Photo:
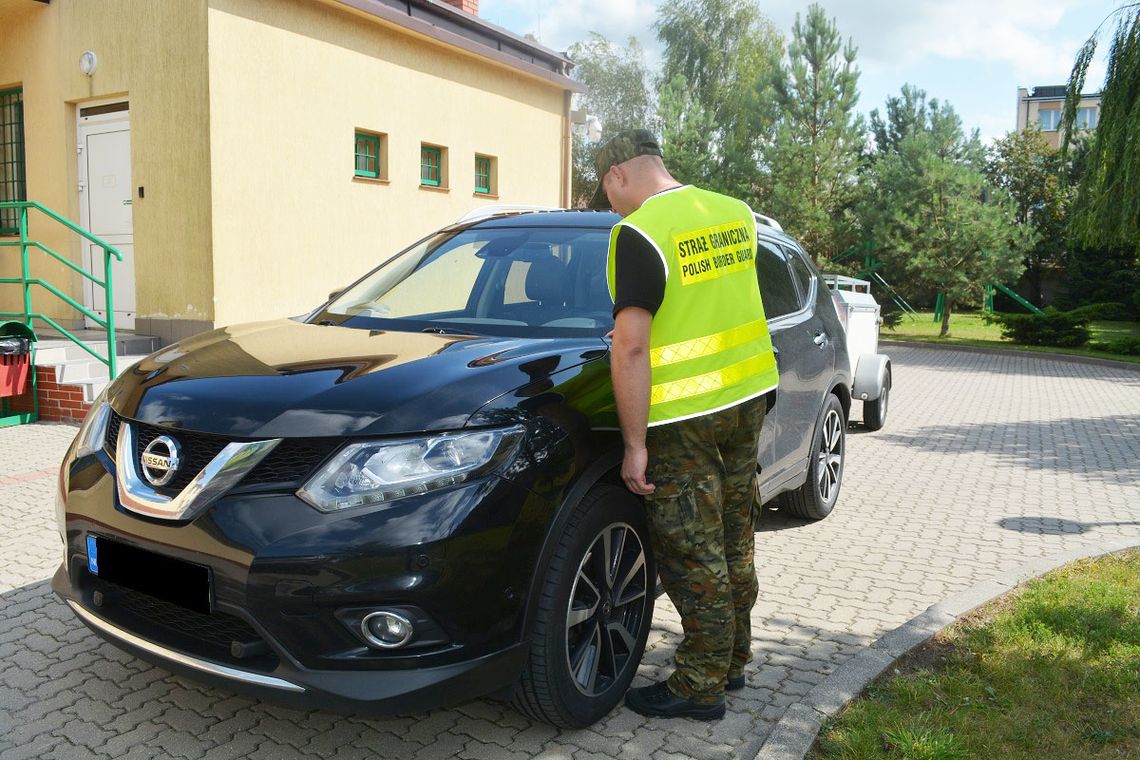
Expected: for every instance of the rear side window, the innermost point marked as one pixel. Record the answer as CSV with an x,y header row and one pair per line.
x,y
803,274
776,287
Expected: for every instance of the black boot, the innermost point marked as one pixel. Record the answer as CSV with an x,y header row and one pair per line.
x,y
658,701
735,683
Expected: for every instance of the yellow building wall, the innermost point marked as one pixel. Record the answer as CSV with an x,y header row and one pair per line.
x,y
154,53
290,81
28,58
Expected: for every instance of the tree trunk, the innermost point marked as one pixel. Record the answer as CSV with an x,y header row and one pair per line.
x,y
946,305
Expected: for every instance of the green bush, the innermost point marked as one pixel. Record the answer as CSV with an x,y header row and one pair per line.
x,y
1064,329
1123,346
1103,311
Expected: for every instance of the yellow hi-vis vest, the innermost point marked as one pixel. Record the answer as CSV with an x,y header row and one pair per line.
x,y
709,347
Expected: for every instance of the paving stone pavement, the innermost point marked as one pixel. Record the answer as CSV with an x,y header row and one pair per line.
x,y
986,463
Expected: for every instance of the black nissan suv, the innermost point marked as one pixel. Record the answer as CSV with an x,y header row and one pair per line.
x,y
410,497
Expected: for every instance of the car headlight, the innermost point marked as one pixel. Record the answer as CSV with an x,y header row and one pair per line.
x,y
362,474
93,431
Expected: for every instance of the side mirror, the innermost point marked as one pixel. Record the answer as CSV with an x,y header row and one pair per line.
x,y
334,293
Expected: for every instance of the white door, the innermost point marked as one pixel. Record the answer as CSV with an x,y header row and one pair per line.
x,y
105,198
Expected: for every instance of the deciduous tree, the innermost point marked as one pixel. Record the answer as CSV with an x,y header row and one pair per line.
x,y
720,62
618,95
1030,170
1106,211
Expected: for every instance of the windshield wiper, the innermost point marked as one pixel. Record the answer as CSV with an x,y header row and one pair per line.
x,y
445,331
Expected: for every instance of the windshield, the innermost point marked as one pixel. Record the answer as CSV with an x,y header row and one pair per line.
x,y
529,282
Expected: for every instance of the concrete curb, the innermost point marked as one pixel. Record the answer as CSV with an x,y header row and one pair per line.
x,y
796,731
1073,358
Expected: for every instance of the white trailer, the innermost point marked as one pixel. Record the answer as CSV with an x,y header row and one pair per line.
x,y
859,313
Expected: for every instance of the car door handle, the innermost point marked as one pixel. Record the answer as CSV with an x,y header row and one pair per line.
x,y
820,339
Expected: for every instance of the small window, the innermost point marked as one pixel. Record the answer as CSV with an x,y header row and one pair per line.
x,y
1086,118
371,161
1049,120
433,166
802,271
485,180
12,170
777,290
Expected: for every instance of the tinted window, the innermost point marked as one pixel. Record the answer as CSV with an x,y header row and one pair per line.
x,y
802,272
522,282
776,287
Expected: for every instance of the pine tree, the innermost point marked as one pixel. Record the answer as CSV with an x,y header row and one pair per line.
x,y
933,223
819,137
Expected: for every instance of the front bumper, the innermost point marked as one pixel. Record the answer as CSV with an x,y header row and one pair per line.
x,y
286,580
370,692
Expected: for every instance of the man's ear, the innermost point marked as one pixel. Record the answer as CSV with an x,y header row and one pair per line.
x,y
620,175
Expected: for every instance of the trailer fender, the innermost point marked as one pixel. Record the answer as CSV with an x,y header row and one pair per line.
x,y
870,376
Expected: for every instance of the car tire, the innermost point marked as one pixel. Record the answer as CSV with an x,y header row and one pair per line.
x,y
875,412
815,499
593,614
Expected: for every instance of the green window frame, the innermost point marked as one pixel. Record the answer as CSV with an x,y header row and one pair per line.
x,y
483,175
13,172
367,155
431,166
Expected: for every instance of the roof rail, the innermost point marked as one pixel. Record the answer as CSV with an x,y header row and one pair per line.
x,y
488,211
768,221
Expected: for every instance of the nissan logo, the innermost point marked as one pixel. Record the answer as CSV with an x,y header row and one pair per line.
x,y
160,460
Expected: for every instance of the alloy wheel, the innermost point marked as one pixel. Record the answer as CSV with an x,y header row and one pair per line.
x,y
606,612
830,466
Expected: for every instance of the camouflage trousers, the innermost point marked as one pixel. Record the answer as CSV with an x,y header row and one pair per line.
x,y
700,524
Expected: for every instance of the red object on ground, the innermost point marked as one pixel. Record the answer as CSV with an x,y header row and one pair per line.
x,y
14,371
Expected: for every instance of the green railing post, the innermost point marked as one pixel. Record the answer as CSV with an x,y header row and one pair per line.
x,y
26,281
939,304
25,270
109,297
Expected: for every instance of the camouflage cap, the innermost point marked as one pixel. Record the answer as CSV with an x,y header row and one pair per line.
x,y
623,146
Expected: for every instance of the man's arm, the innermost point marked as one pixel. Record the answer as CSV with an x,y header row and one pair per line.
x,y
630,371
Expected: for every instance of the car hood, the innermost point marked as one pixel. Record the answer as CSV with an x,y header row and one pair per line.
x,y
286,378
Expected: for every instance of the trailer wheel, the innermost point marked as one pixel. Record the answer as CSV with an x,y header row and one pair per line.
x,y
875,412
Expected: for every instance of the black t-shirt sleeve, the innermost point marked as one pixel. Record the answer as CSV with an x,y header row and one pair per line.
x,y
639,272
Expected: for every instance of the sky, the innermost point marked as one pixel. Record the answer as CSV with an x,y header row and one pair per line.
x,y
972,53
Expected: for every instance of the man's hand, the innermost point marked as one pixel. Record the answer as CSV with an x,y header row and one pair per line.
x,y
633,471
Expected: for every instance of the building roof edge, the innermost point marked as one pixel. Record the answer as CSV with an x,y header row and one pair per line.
x,y
468,32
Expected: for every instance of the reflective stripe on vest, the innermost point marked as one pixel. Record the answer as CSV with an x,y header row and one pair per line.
x,y
691,387
709,346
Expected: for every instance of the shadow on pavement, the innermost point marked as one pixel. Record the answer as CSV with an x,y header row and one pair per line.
x,y
1107,448
1056,526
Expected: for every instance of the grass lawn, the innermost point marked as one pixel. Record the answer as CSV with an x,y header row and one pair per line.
x,y
1050,670
969,329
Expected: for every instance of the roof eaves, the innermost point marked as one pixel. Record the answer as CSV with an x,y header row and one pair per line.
x,y
449,25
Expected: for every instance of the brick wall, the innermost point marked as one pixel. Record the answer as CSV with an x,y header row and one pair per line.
x,y
62,403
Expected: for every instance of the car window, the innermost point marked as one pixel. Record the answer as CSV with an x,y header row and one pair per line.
x,y
517,281
777,290
803,274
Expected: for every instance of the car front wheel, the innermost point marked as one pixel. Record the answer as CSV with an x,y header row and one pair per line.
x,y
815,499
594,613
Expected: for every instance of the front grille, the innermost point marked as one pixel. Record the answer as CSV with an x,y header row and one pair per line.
x,y
206,635
292,461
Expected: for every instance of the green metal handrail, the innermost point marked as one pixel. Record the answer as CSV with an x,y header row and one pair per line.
x,y
26,281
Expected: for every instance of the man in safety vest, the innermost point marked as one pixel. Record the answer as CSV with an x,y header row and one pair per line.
x,y
691,363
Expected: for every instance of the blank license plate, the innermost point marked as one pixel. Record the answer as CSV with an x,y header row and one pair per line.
x,y
166,578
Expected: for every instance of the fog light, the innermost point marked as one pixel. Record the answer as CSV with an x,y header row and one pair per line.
x,y
387,630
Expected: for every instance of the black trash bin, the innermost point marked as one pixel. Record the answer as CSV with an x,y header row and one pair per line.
x,y
15,358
